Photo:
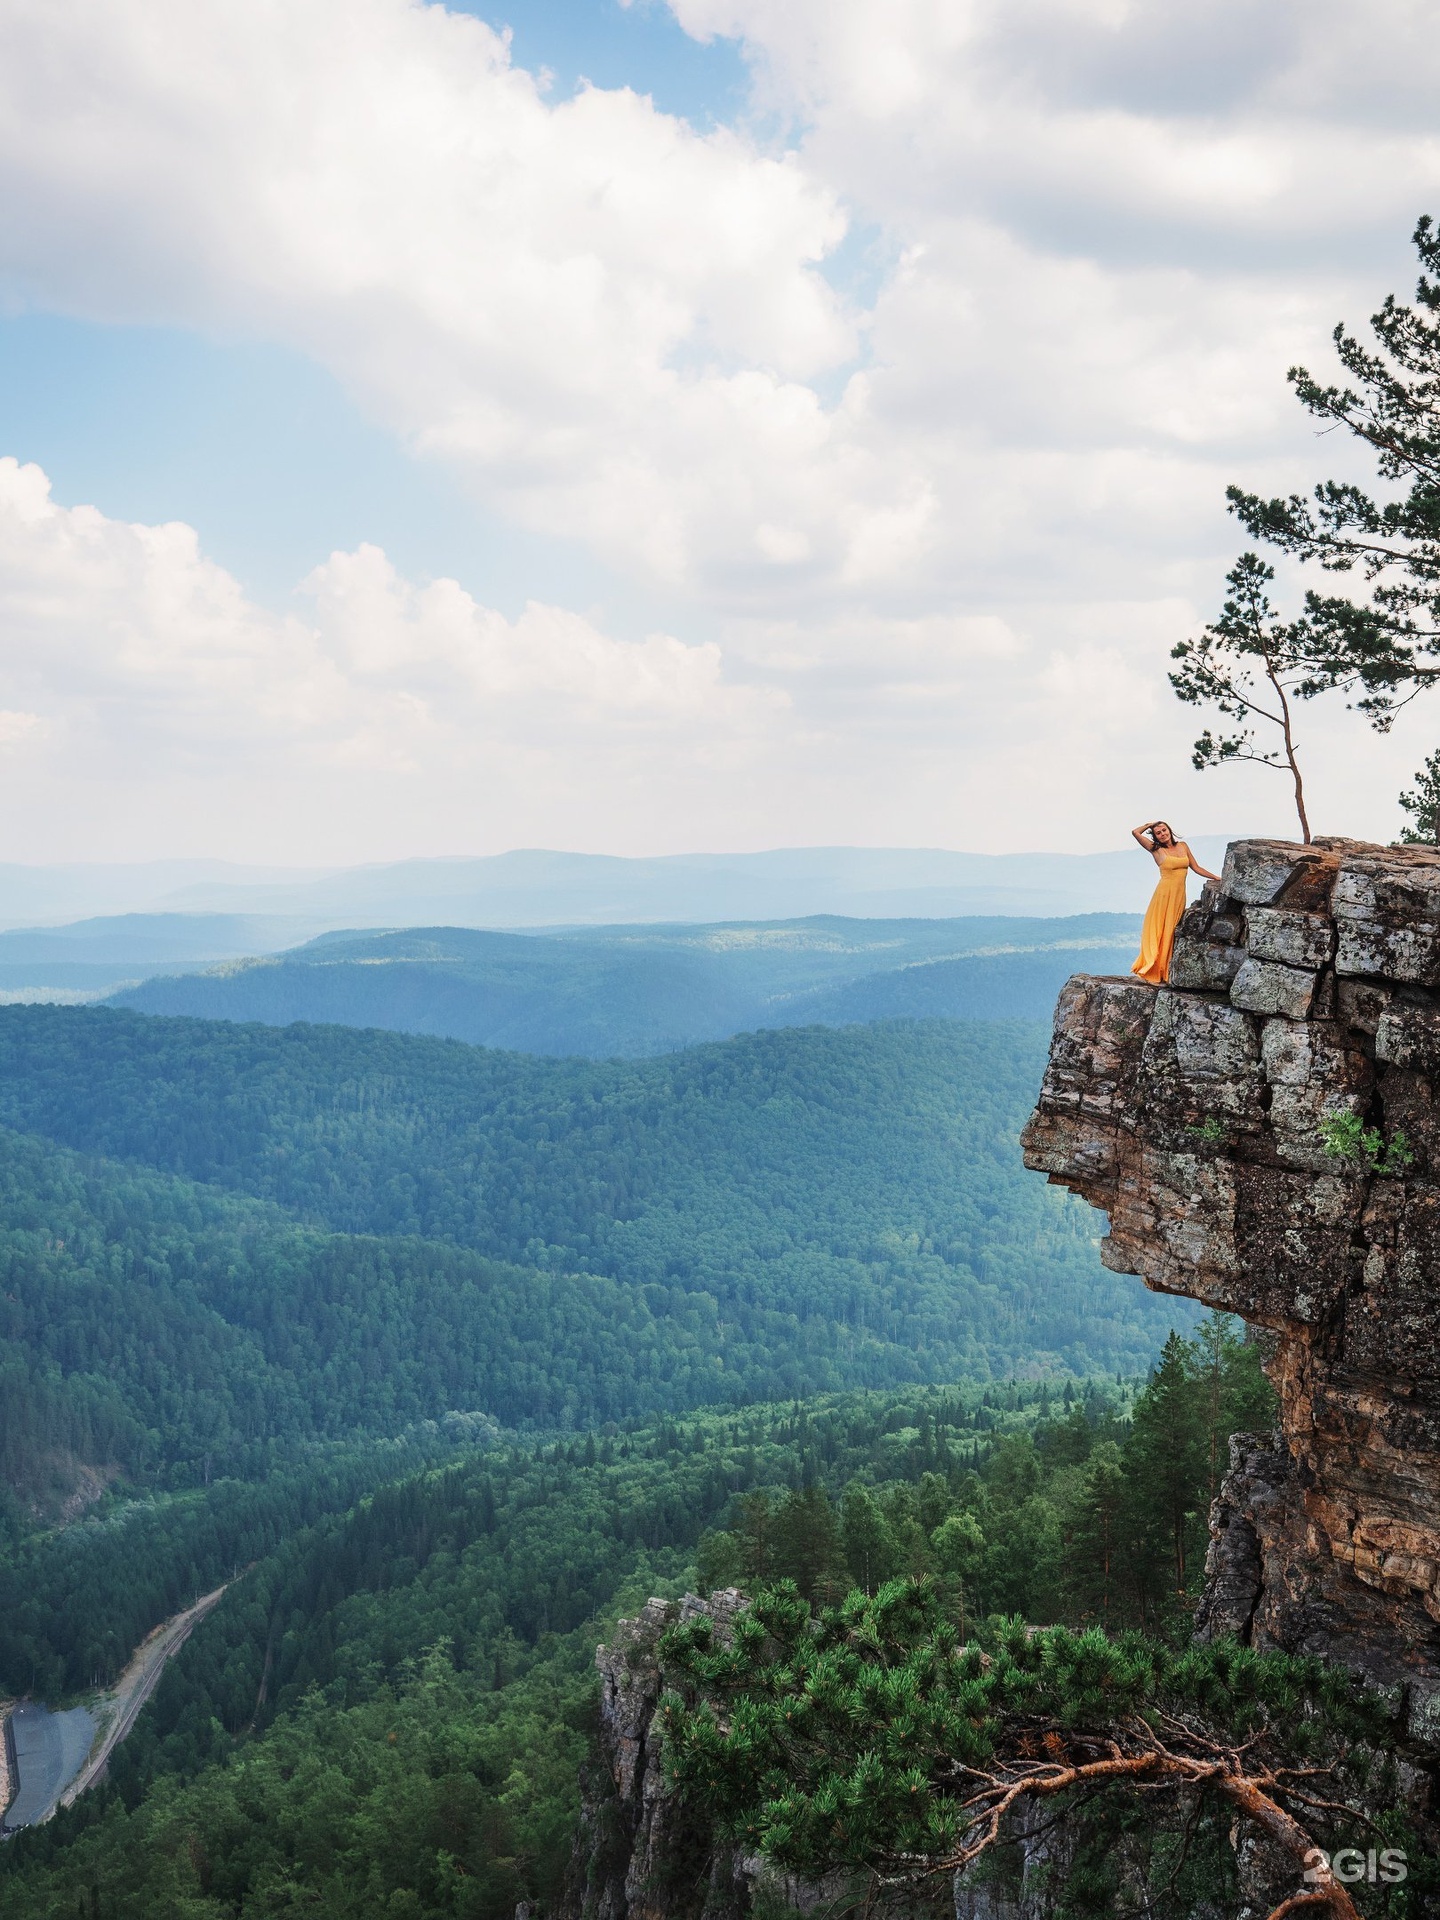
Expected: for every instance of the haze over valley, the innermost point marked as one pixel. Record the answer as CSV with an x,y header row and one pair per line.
x,y
571,984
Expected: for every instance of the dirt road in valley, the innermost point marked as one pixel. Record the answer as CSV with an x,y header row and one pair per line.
x,y
47,1758
7,1783
118,1710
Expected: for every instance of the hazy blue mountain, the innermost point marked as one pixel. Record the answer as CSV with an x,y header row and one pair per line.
x,y
992,986
87,959
494,989
538,888
36,896
646,990
146,938
542,888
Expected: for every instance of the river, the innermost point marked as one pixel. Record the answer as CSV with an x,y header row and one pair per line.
x,y
49,1749
59,1755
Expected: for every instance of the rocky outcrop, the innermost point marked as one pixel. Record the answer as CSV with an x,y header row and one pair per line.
x,y
1024,1880
1201,1117
639,1853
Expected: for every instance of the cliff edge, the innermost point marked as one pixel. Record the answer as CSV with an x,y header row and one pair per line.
x,y
1201,1117
640,1853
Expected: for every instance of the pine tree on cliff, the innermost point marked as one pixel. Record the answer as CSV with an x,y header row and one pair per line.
x,y
1423,805
1381,643
871,1740
1251,666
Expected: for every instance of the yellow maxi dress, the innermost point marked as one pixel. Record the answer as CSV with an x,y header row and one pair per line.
x,y
1162,916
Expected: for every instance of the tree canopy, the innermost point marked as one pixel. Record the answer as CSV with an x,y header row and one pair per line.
x,y
785,1212
1385,640
401,1673
1380,642
872,1739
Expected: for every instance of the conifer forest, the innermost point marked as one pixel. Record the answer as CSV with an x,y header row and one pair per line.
x,y
442,1361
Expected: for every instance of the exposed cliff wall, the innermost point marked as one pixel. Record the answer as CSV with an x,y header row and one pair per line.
x,y
1306,987
640,1854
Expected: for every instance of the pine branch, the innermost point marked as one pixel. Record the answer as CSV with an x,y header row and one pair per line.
x,y
1145,1759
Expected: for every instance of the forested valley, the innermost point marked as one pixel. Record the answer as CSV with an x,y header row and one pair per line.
x,y
217,1240
441,1359
635,990
390,1711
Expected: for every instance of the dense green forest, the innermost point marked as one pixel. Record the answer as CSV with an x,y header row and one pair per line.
x,y
603,991
388,1711
1087,1516
441,1358
178,1332
76,1601
865,1184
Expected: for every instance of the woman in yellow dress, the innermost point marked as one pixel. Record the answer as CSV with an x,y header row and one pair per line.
x,y
1167,903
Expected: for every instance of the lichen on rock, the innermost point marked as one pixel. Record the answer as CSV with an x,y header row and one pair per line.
x,y
1202,1118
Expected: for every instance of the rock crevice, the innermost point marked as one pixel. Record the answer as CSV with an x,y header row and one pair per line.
x,y
1202,1118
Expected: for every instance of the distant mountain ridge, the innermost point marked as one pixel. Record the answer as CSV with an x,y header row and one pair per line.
x,y
146,938
539,887
88,959
641,990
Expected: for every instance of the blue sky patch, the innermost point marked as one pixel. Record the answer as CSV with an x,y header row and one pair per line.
x,y
641,46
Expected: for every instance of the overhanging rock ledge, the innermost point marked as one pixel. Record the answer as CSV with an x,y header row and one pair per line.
x,y
1306,987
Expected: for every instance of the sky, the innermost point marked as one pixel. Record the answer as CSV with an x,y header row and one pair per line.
x,y
712,425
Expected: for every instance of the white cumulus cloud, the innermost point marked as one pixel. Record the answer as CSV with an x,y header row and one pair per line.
x,y
141,691
606,318
926,404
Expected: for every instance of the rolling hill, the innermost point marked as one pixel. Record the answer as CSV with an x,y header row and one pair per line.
x,y
846,1207
646,990
89,959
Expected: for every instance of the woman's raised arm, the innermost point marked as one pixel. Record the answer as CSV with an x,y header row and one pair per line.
x,y
1144,836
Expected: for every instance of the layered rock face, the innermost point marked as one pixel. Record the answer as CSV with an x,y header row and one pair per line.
x,y
640,1853
1201,1118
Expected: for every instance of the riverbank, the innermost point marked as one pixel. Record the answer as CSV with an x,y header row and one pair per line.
x,y
121,1708
7,1760
49,1749
51,1758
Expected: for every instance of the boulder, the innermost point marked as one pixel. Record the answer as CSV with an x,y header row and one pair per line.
x,y
1262,986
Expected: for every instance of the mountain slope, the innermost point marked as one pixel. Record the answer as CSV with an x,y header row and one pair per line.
x,y
639,990
532,995
865,1179
89,959
166,1331
980,986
